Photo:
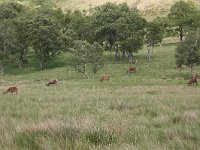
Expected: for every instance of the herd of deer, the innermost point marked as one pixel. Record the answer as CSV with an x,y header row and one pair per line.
x,y
14,89
193,80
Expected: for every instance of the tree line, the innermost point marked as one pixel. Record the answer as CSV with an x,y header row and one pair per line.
x,y
48,31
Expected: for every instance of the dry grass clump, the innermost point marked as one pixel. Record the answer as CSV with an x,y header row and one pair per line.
x,y
190,116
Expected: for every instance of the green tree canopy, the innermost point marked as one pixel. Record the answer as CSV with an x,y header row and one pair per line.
x,y
9,43
46,38
87,56
188,51
117,25
104,18
13,15
181,14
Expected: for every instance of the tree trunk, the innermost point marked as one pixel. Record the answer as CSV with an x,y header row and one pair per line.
x,y
85,71
94,76
87,75
20,65
191,68
41,65
181,34
117,54
2,69
123,54
130,57
148,54
152,46
110,51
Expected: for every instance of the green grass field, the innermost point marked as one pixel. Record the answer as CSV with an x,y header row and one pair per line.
x,y
152,109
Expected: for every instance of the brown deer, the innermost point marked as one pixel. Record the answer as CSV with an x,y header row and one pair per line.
x,y
105,78
11,90
52,82
132,70
180,67
193,80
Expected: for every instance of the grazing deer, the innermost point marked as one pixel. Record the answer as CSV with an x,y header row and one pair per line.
x,y
105,78
132,70
180,67
11,90
193,79
51,82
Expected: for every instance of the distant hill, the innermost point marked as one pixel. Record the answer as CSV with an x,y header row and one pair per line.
x,y
148,8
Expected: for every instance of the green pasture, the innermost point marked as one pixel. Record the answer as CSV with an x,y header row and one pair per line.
x,y
152,109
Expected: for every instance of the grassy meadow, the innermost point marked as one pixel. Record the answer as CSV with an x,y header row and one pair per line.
x,y
152,109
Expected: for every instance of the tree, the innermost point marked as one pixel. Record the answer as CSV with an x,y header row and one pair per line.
x,y
46,38
81,24
154,35
86,56
132,44
10,10
96,57
11,35
181,14
104,19
81,59
23,25
117,24
188,51
130,30
70,37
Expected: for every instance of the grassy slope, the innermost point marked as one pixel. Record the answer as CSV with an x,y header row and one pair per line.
x,y
152,109
148,8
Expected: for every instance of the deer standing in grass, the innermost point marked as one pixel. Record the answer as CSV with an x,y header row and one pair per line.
x,y
193,80
51,82
105,78
11,90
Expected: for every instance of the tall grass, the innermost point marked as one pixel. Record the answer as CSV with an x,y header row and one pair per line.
x,y
151,109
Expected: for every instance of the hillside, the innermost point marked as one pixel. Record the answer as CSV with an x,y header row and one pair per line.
x,y
147,7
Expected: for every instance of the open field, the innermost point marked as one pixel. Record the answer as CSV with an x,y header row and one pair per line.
x,y
152,109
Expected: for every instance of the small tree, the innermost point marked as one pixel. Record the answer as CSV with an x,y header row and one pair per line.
x,y
154,33
87,56
81,58
188,52
96,57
